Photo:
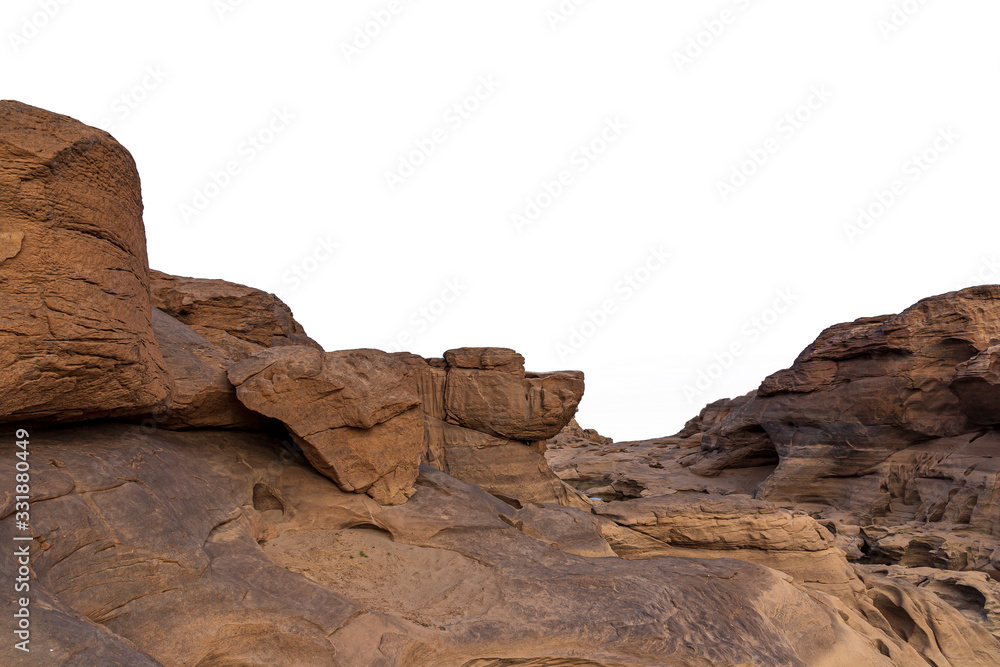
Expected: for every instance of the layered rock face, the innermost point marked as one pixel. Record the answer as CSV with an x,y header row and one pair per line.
x,y
176,523
884,429
353,413
239,320
273,564
485,421
76,336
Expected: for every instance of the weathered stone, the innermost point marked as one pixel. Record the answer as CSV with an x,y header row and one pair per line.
x,y
239,320
201,394
977,385
498,398
255,549
352,412
696,525
76,339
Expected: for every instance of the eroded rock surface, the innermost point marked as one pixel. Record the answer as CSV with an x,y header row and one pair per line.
x,y
237,319
470,396
273,564
201,395
76,338
883,430
353,413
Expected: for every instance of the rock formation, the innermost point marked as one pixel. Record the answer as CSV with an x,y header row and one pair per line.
x,y
353,413
463,438
76,336
883,430
209,487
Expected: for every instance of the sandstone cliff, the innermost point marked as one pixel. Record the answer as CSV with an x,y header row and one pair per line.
x,y
209,487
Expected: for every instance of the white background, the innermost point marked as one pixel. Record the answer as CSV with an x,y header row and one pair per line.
x,y
896,81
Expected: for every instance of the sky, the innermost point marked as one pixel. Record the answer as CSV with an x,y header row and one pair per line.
x,y
675,198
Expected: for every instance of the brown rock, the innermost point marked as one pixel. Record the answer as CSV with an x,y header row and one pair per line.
x,y
352,412
274,565
76,340
861,392
977,385
201,394
703,526
514,470
509,470
239,320
488,391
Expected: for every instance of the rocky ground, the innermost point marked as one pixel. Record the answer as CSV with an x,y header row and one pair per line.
x,y
209,487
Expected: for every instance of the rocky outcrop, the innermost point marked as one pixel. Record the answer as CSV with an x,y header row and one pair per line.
x,y
977,385
883,429
473,394
352,412
489,391
273,564
860,393
215,540
573,435
240,321
201,395
76,338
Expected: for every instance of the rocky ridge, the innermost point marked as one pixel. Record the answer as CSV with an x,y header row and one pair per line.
x,y
193,449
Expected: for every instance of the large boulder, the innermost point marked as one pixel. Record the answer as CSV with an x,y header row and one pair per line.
x,y
353,413
489,391
861,392
76,337
471,396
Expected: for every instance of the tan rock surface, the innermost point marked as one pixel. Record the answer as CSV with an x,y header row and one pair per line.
x,y
487,390
76,339
704,526
237,319
274,565
514,470
201,395
352,412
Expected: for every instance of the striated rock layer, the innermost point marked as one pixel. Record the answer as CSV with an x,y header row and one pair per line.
x,y
206,535
884,430
273,564
76,336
